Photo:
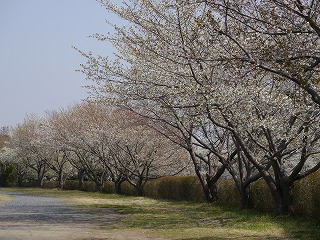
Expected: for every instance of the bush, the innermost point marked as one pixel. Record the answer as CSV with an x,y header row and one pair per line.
x,y
228,194
261,197
30,184
306,197
72,185
108,187
50,184
89,186
128,189
8,176
175,187
151,188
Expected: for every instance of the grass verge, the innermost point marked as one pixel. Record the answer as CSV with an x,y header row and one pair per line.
x,y
189,220
4,198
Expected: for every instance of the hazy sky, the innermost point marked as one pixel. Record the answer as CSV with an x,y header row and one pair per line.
x,y
37,61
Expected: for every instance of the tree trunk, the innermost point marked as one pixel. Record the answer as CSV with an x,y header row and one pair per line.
x,y
81,174
212,189
139,187
281,194
205,187
204,184
286,200
245,198
40,182
212,179
61,179
1,175
117,185
41,173
99,184
20,179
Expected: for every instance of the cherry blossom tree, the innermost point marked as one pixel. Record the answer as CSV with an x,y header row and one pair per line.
x,y
75,133
270,37
27,142
141,152
248,68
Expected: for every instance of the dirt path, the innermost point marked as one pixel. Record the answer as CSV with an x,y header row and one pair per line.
x,y
39,217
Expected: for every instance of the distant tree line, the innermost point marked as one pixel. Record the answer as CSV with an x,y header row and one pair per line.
x,y
94,142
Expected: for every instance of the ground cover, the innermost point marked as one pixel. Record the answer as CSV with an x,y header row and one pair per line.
x,y
160,219
4,198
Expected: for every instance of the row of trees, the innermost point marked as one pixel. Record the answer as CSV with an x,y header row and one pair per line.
x,y
93,141
235,83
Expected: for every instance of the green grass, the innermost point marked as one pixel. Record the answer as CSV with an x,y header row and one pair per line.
x,y
190,220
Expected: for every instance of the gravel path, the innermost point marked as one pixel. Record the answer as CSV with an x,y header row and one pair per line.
x,y
39,217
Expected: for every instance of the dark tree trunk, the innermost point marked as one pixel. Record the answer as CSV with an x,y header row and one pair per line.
x,y
99,185
281,194
245,198
1,174
203,182
213,190
139,190
212,179
205,186
40,182
20,180
81,174
41,173
283,199
117,185
61,179
139,187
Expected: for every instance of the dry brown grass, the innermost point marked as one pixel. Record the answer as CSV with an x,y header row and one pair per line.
x,y
4,198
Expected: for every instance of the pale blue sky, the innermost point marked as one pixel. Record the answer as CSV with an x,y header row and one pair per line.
x,y
37,61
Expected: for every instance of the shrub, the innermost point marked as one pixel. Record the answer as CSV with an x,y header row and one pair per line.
x,y
151,188
175,187
306,197
228,194
50,184
261,197
30,184
8,176
128,189
168,188
191,188
89,186
108,187
72,185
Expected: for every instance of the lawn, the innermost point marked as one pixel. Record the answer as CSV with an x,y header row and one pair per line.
x,y
189,220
